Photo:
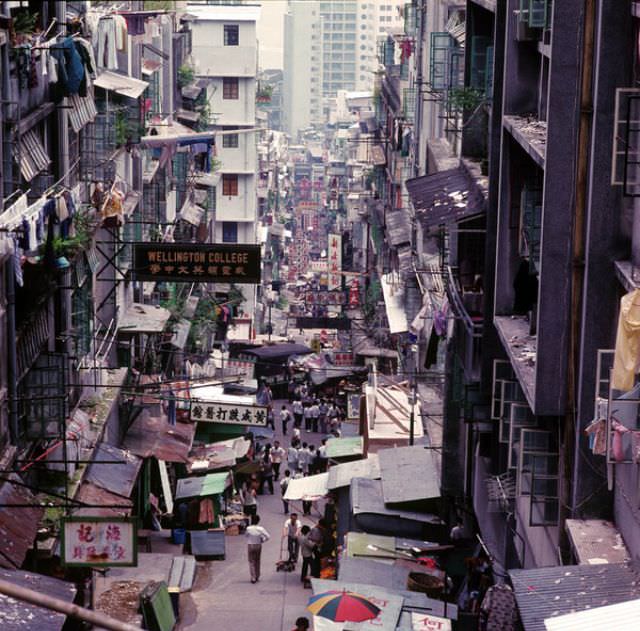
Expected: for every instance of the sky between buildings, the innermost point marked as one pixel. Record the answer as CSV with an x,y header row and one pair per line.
x,y
270,33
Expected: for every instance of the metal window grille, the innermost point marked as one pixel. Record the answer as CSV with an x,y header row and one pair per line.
x,y
535,13
230,88
440,60
625,167
531,225
521,418
480,46
533,442
409,102
231,35
82,311
488,73
410,21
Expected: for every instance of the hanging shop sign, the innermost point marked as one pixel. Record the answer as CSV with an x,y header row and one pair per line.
x,y
99,541
325,298
334,256
228,413
339,324
189,262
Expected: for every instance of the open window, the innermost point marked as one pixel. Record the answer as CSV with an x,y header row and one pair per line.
x,y
511,394
502,371
545,483
534,443
531,225
521,418
481,52
626,142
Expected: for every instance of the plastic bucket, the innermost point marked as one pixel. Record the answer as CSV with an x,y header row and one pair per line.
x,y
179,536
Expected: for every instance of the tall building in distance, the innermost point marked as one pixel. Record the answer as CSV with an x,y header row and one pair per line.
x,y
330,46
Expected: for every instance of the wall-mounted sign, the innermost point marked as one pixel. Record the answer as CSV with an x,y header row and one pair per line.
x,y
228,413
190,262
325,298
334,256
99,541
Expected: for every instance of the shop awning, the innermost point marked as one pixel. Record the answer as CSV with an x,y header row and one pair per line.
x,y
348,447
172,132
33,157
18,526
102,501
277,351
114,470
393,291
309,489
409,474
220,455
82,111
549,592
340,475
621,616
153,436
444,197
17,615
210,484
149,66
121,84
141,318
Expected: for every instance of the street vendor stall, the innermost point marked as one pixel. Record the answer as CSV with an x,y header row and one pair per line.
x,y
200,505
345,449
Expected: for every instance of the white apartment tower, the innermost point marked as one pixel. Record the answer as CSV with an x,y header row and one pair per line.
x,y
225,51
329,46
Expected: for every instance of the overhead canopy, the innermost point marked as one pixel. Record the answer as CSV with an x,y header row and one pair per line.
x,y
222,454
409,474
444,197
102,502
340,475
545,593
121,84
394,301
18,526
17,615
141,318
114,470
348,447
309,489
192,213
210,484
277,351
621,616
153,436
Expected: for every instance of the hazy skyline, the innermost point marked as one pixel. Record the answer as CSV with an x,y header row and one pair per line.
x,y
271,33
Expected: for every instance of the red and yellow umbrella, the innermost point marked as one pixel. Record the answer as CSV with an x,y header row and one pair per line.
x,y
342,606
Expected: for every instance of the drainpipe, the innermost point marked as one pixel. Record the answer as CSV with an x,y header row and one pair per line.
x,y
12,362
578,254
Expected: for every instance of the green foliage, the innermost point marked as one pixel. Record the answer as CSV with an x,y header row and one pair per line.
x,y
461,99
159,5
84,227
186,75
25,22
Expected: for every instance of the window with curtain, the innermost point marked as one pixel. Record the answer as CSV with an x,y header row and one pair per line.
x,y
230,88
229,185
231,35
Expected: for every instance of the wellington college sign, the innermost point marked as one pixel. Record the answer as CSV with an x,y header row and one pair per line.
x,y
190,262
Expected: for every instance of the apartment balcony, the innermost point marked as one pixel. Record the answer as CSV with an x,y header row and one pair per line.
x,y
530,133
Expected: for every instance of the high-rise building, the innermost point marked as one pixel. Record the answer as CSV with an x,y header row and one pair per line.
x,y
330,46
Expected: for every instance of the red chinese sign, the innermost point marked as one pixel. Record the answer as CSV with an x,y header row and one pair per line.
x,y
99,541
334,257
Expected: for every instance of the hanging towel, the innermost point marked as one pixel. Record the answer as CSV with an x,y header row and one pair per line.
x,y
627,351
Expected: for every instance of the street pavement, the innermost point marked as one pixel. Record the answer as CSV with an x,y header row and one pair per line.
x,y
223,596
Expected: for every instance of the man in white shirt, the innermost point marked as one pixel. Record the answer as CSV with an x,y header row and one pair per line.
x,y
303,459
315,415
292,458
256,535
297,412
291,531
285,417
277,456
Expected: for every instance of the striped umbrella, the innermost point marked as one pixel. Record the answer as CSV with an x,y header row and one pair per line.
x,y
342,606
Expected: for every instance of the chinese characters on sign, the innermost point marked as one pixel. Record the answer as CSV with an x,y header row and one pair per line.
x,y
325,298
189,262
334,256
211,412
108,541
429,622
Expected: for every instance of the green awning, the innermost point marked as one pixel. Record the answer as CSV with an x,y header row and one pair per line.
x,y
210,484
345,447
357,545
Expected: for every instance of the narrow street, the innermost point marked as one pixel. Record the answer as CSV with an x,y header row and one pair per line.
x,y
223,597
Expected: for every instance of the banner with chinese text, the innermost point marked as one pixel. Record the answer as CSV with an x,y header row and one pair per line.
x,y
334,256
99,541
212,412
196,262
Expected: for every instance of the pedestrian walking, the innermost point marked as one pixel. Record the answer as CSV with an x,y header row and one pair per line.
x,y
292,457
303,459
291,531
270,418
284,484
322,418
277,456
295,435
315,415
313,460
302,624
306,551
322,456
285,417
291,388
307,417
266,474
298,412
249,500
256,535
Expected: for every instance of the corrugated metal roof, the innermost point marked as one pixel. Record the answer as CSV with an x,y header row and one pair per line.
x,y
310,488
116,477
33,156
340,475
621,616
16,615
153,436
444,197
409,474
83,110
18,526
545,593
94,495
366,497
398,226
